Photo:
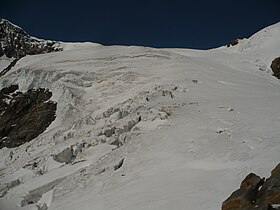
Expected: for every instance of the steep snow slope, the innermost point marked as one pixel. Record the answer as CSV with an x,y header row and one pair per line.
x,y
146,128
259,50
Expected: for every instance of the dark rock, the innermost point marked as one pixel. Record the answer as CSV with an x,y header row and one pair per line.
x,y
239,200
15,42
250,197
263,207
276,171
23,116
270,191
245,197
8,90
250,180
233,42
275,66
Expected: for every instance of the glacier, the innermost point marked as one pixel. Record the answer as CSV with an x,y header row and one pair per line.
x,y
143,128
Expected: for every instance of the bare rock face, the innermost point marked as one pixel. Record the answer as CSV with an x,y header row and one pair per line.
x,y
245,197
16,43
23,116
232,43
276,171
275,66
250,180
270,191
256,193
240,199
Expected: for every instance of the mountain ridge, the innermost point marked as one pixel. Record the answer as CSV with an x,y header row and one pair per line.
x,y
15,42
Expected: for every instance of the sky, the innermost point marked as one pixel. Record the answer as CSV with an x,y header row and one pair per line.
x,y
199,24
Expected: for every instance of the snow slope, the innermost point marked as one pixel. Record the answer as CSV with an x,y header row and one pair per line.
x,y
208,118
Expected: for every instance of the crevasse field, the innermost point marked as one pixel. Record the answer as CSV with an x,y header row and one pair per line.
x,y
156,129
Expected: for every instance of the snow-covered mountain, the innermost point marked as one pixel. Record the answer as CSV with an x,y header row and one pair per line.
x,y
15,42
143,128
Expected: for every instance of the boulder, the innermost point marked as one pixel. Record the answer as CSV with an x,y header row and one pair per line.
x,y
275,67
250,180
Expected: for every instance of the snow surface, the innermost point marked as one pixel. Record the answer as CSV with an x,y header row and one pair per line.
x,y
208,118
4,62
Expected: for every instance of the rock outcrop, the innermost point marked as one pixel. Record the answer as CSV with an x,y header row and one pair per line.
x,y
232,43
16,43
275,67
250,180
256,193
23,116
270,191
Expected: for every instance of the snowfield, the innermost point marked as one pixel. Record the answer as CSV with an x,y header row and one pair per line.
x,y
145,129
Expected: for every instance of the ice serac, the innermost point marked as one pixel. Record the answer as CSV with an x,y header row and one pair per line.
x,y
16,43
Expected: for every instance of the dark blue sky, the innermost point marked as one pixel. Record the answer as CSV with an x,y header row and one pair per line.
x,y
159,23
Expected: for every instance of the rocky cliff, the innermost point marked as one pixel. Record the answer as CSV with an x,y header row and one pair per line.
x,y
23,116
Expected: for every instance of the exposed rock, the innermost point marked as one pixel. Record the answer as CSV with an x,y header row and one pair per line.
x,y
275,66
15,42
233,42
243,198
276,171
250,197
23,116
250,180
240,199
9,90
270,191
263,207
